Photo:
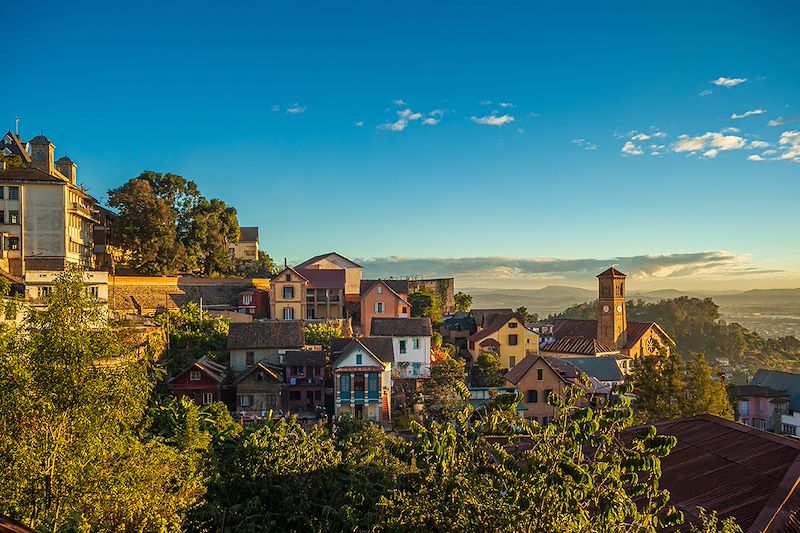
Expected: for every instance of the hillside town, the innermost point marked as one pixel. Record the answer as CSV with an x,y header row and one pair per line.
x,y
386,342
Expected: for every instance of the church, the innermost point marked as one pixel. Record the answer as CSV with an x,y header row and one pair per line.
x,y
612,333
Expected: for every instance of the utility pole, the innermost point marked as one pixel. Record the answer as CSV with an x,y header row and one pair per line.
x,y
17,119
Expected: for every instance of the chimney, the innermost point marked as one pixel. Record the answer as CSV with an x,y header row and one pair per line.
x,y
42,151
68,169
285,263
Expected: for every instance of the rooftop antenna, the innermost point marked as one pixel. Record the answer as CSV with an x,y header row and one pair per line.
x,y
17,119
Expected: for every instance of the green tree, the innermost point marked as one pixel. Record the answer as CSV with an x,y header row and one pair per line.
x,y
12,161
704,394
439,392
426,303
322,333
212,229
528,317
74,448
463,302
486,371
264,266
192,334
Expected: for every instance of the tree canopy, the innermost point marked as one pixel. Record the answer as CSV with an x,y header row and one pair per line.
x,y
426,303
463,302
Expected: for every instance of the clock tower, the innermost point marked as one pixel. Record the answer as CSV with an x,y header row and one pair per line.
x,y
612,322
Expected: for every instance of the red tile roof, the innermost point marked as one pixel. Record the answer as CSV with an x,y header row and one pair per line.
x,y
572,327
323,278
611,273
733,469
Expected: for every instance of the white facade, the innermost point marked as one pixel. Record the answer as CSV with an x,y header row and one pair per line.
x,y
39,283
239,358
412,357
355,392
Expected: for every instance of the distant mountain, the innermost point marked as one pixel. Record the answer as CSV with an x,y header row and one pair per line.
x,y
761,297
543,301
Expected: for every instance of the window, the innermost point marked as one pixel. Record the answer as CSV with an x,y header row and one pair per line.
x,y
208,397
2,216
194,375
310,313
403,346
13,217
288,313
2,189
249,358
294,395
539,374
513,339
744,408
288,292
379,307
317,395
789,429
512,361
246,400
380,289
533,396
13,243
44,292
404,310
246,299
512,324
288,277
94,291
358,358
416,344
13,193
415,368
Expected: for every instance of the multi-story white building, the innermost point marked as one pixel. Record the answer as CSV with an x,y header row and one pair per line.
x,y
46,220
411,341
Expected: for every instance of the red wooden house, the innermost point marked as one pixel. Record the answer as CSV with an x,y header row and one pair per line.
x,y
202,382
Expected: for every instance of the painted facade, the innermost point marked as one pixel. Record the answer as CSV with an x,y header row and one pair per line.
x,y
363,380
536,379
506,335
287,295
381,301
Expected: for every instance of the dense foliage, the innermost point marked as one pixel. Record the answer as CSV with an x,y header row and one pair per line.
x,y
486,371
192,334
166,226
426,303
696,327
463,302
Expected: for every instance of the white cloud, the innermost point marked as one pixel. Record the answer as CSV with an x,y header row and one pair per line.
x,y
711,154
631,149
730,130
506,104
758,144
791,141
782,121
659,135
437,113
769,152
430,121
407,114
360,124
399,102
583,143
640,137
296,109
591,146
755,157
520,130
710,140
493,120
706,92
746,114
728,82
399,125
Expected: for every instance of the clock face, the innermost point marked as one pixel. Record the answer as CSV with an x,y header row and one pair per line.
x,y
619,309
605,309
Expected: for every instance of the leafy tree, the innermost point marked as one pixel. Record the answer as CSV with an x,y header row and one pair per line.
x,y
463,302
212,229
486,371
322,333
426,303
703,393
264,266
74,449
528,317
439,395
192,334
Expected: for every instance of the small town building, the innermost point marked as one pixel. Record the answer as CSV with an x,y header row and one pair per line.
x,y
324,296
411,339
537,377
263,340
609,371
246,249
758,406
258,389
253,302
505,334
362,377
287,295
788,383
383,298
335,261
304,383
201,382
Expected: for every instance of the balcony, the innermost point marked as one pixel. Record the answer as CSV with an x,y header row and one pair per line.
x,y
359,396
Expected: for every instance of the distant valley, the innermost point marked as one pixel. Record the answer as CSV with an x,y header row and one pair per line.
x,y
771,312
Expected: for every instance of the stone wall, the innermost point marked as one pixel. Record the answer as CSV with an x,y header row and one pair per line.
x,y
444,286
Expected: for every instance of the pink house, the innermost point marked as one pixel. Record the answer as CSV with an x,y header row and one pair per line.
x,y
759,407
383,299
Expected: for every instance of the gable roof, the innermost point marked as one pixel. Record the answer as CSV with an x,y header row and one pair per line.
x,y
323,278
248,234
398,286
577,345
736,470
214,370
493,324
611,273
523,367
272,371
602,368
290,269
325,256
381,348
266,334
781,381
575,327
304,357
401,327
16,146
480,314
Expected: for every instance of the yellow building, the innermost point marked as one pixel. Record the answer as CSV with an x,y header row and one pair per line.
x,y
287,295
504,334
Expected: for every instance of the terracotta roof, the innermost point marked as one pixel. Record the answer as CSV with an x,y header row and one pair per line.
x,y
324,256
214,370
573,327
267,334
733,469
490,342
380,347
7,525
29,174
399,286
577,345
564,367
290,269
273,371
248,234
304,357
611,273
401,327
322,278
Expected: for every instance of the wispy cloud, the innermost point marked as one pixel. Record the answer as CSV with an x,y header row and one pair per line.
x,y
398,125
629,148
706,92
782,121
728,82
399,102
360,124
430,121
485,102
437,113
640,137
711,143
506,104
790,142
758,144
494,269
296,109
493,120
583,143
407,114
730,129
750,113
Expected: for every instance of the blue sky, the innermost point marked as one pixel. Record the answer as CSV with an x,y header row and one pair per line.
x,y
556,134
